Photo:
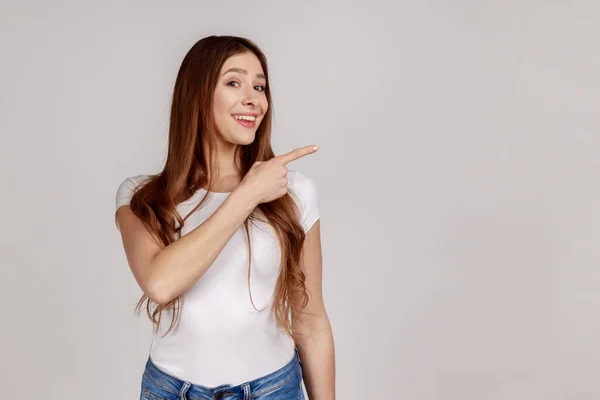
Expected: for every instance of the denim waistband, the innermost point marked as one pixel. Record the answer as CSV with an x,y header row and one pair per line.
x,y
255,387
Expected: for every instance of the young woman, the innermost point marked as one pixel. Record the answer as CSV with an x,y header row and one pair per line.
x,y
225,243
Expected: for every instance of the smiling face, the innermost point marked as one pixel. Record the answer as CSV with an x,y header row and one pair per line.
x,y
240,91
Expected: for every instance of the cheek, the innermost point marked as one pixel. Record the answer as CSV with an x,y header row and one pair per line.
x,y
220,111
264,104
223,99
219,101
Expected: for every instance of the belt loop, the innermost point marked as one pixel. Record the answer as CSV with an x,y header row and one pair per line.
x,y
184,389
246,387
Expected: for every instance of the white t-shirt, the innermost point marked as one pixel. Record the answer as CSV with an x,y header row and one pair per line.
x,y
220,338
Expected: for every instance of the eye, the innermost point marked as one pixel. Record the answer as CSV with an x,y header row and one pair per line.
x,y
262,88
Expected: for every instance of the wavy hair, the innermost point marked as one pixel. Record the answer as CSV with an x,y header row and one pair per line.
x,y
190,165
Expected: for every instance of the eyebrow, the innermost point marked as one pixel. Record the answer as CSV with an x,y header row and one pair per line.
x,y
243,71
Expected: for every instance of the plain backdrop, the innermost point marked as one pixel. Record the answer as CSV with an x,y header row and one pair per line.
x,y
458,181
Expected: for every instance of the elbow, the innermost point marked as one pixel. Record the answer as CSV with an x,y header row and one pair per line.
x,y
157,293
155,288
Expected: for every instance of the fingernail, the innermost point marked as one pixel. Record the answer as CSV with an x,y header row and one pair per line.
x,y
316,148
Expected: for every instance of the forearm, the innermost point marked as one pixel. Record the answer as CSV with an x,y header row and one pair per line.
x,y
179,265
317,354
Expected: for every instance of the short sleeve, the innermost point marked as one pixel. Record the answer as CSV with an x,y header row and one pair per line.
x,y
126,190
306,191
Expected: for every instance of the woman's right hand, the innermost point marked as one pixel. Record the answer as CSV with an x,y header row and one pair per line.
x,y
267,180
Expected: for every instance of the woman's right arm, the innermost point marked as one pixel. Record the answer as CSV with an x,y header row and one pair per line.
x,y
163,273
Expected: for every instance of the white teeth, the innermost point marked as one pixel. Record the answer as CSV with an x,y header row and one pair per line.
x,y
245,117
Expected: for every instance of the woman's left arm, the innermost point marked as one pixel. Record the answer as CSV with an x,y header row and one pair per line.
x,y
312,331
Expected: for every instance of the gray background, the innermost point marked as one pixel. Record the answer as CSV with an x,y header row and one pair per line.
x,y
458,186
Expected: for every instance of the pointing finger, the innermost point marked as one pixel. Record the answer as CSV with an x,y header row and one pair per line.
x,y
296,154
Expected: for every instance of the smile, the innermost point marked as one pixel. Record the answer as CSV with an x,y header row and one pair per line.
x,y
245,117
246,121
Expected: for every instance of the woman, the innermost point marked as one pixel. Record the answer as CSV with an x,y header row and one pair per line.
x,y
225,243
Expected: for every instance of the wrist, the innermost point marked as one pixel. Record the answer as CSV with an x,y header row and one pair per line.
x,y
243,198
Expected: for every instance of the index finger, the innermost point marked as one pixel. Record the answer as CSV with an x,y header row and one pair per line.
x,y
296,154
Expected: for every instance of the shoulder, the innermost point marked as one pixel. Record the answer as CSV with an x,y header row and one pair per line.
x,y
300,182
127,188
132,182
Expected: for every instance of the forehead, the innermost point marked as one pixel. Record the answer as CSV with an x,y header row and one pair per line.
x,y
247,61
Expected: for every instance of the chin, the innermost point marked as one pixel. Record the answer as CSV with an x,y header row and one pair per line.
x,y
243,140
249,140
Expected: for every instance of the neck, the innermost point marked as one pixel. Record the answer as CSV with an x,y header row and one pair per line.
x,y
227,175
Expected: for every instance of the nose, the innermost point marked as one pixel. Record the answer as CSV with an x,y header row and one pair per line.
x,y
250,97
249,101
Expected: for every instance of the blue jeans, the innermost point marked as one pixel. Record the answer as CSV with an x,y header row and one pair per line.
x,y
283,384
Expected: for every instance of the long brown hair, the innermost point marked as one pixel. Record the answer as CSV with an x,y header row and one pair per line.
x,y
192,133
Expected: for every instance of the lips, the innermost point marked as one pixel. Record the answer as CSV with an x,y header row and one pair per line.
x,y
244,123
